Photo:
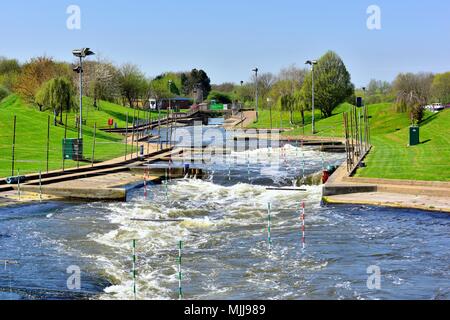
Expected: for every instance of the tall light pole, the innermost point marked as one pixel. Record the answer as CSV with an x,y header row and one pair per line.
x,y
241,106
169,119
81,54
312,63
256,85
366,133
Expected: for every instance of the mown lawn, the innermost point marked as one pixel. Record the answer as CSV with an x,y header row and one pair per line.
x,y
107,110
31,135
324,127
390,158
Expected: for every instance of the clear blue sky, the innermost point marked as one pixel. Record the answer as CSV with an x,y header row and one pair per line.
x,y
228,38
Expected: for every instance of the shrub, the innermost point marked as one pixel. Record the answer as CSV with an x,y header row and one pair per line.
x,y
3,93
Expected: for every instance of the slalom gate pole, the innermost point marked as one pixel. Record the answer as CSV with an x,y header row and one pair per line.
x,y
303,216
180,275
269,226
145,183
134,269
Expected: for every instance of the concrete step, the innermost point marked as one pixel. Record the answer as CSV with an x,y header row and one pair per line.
x,y
75,176
415,190
337,189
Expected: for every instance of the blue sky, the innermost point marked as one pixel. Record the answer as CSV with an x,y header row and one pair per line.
x,y
230,37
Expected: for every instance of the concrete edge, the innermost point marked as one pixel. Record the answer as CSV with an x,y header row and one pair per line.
x,y
328,200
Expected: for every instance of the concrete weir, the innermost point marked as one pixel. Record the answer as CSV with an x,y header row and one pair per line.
x,y
105,182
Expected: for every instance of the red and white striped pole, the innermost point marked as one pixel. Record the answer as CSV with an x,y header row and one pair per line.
x,y
303,226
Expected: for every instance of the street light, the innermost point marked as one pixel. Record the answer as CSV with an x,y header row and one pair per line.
x,y
241,107
169,117
312,63
256,84
81,54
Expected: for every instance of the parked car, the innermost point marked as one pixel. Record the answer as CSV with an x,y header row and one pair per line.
x,y
435,107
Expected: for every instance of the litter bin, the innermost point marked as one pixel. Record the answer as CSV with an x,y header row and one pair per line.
x,y
73,149
414,135
16,180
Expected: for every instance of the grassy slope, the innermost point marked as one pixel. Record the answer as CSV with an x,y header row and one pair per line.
x,y
324,127
31,135
391,158
107,110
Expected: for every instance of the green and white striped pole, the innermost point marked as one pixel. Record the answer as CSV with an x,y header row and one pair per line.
x,y
134,269
180,288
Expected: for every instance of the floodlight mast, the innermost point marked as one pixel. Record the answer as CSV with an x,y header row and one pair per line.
x,y
312,63
81,54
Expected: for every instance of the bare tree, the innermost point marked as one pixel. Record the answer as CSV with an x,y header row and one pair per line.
x,y
293,74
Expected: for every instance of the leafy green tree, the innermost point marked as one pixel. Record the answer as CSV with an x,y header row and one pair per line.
x,y
220,97
300,104
3,93
132,83
37,71
165,86
413,93
332,83
57,94
9,71
196,79
440,88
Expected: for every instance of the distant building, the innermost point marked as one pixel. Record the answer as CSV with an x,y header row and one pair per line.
x,y
175,103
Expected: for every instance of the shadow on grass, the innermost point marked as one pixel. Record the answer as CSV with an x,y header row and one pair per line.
x,y
429,119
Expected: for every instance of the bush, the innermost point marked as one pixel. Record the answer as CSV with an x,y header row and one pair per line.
x,y
3,93
220,97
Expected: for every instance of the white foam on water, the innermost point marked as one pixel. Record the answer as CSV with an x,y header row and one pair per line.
x,y
204,207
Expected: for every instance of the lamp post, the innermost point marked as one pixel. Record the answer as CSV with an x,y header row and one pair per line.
x,y
169,118
312,63
241,107
256,85
366,132
81,54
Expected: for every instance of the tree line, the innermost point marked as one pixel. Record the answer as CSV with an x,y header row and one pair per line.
x,y
53,85
291,90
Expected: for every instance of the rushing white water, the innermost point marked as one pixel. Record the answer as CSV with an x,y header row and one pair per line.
x,y
224,229
212,215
